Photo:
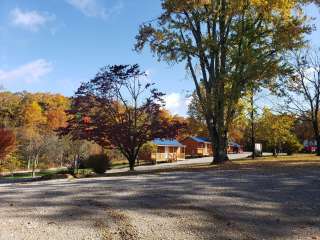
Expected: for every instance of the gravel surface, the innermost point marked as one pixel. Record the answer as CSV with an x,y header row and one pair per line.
x,y
234,204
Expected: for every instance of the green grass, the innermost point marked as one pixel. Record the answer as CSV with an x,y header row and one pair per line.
x,y
119,165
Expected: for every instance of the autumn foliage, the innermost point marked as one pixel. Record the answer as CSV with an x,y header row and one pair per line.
x,y
227,47
7,143
119,109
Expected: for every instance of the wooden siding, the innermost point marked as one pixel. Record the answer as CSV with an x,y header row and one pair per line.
x,y
194,148
169,154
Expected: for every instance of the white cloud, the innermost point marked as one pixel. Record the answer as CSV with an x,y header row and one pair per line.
x,y
30,20
92,8
176,103
29,72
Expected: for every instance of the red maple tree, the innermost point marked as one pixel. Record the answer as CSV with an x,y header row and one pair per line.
x,y
119,108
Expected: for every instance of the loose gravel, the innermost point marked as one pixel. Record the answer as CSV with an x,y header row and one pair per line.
x,y
259,204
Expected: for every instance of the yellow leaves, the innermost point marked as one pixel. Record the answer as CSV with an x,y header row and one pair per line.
x,y
275,129
270,7
32,114
266,7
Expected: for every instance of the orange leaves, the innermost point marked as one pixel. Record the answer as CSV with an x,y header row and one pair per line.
x,y
7,143
44,110
56,118
86,120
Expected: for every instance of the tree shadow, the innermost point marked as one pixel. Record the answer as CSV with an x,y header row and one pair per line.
x,y
265,203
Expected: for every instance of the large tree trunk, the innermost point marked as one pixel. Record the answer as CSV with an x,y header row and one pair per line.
x,y
131,163
220,156
132,160
219,142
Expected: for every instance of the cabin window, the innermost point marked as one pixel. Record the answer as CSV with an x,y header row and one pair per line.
x,y
161,149
172,150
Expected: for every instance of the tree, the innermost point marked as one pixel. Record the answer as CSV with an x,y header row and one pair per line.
x,y
226,46
7,145
301,88
276,132
33,115
118,108
196,120
9,109
33,143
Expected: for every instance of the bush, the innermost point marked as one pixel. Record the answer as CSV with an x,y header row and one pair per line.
x,y
98,163
292,146
146,150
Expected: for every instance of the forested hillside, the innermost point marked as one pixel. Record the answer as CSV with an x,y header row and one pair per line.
x,y
34,120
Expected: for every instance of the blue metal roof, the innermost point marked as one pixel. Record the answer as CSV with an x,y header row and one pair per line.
x,y
233,144
201,139
207,140
167,142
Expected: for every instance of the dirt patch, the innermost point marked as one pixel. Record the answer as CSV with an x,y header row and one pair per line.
x,y
119,227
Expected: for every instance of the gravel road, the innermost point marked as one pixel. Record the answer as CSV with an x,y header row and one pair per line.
x,y
233,204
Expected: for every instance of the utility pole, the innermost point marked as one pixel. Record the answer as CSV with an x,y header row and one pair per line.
x,y
253,135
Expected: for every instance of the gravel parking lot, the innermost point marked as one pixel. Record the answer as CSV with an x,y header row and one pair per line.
x,y
226,204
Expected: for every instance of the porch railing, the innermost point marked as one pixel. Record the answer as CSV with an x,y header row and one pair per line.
x,y
170,157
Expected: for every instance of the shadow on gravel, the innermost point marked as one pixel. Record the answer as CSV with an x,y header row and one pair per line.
x,y
232,204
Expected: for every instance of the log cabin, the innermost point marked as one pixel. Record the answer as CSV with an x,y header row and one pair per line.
x,y
198,146
168,150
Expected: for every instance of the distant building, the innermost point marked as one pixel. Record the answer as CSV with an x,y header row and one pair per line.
x,y
310,145
198,146
234,148
202,147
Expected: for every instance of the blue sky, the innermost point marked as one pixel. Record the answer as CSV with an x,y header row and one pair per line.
x,y
52,46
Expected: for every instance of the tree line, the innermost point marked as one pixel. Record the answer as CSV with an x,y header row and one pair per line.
x,y
231,49
46,130
29,138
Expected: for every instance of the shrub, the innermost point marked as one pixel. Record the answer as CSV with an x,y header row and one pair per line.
x,y
98,163
292,145
146,150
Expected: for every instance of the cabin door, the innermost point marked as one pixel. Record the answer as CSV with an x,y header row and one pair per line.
x,y
205,149
166,153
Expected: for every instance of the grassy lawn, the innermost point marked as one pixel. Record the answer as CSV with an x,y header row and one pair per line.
x,y
270,162
49,172
295,157
297,160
